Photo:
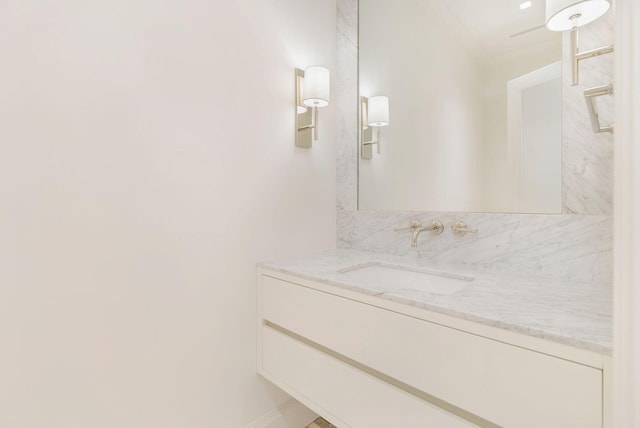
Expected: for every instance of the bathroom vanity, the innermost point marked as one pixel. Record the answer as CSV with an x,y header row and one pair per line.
x,y
368,340
416,339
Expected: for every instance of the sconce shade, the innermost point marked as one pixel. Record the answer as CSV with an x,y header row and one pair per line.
x,y
564,15
378,111
316,87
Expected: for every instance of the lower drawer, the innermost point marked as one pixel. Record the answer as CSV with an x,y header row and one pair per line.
x,y
355,398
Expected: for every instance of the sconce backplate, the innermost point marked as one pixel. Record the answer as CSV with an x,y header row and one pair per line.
x,y
304,121
366,132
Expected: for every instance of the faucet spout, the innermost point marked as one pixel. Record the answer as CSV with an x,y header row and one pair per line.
x,y
416,233
436,227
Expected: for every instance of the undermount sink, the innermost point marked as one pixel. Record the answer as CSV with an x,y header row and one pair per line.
x,y
408,278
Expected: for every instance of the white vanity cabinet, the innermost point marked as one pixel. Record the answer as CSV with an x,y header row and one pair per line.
x,y
363,362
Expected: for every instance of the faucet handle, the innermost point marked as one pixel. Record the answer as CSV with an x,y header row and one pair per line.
x,y
415,224
460,228
437,227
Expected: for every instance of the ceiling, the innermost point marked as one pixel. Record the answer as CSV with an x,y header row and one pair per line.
x,y
492,22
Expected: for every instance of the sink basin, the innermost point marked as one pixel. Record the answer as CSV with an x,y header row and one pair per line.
x,y
397,278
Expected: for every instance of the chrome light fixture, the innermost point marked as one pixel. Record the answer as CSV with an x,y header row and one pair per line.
x,y
564,15
374,115
312,92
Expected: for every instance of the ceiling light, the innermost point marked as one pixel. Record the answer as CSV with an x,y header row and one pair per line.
x,y
525,5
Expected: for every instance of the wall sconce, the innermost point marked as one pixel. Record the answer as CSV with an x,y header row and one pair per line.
x,y
375,115
312,92
563,15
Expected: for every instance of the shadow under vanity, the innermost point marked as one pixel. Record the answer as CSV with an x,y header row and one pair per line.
x,y
472,281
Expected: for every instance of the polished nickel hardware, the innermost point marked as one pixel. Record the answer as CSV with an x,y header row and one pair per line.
x,y
436,228
577,56
460,228
306,118
367,146
366,134
590,96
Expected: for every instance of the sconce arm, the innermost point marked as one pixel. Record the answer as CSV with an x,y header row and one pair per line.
x,y
577,56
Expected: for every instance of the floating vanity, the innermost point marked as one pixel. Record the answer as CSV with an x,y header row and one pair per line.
x,y
368,340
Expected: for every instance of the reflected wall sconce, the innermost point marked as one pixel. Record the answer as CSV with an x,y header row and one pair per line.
x,y
312,92
590,96
374,115
564,15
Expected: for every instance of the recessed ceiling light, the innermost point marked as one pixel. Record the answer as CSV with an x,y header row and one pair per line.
x,y
525,5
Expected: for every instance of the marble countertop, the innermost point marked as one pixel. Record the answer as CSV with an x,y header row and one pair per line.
x,y
575,314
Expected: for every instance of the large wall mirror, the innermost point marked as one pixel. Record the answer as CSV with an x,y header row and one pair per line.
x,y
472,119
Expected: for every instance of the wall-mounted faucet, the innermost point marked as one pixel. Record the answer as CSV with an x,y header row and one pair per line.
x,y
436,228
460,228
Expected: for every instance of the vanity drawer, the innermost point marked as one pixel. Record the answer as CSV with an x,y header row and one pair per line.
x,y
505,384
326,382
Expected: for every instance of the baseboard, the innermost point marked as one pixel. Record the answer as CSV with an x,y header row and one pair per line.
x,y
290,414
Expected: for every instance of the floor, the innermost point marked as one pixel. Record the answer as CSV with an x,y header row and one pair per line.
x,y
320,423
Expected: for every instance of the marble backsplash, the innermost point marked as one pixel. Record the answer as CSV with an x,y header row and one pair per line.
x,y
574,247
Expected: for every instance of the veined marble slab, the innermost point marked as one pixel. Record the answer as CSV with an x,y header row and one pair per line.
x,y
569,248
574,314
587,157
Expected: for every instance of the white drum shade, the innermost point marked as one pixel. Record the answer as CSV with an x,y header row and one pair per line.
x,y
316,87
378,111
563,15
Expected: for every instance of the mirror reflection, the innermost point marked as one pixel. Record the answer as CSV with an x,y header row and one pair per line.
x,y
466,111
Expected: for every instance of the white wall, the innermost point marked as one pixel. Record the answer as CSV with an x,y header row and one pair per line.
x,y
626,322
147,161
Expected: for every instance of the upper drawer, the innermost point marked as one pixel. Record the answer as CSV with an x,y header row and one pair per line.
x,y
505,384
